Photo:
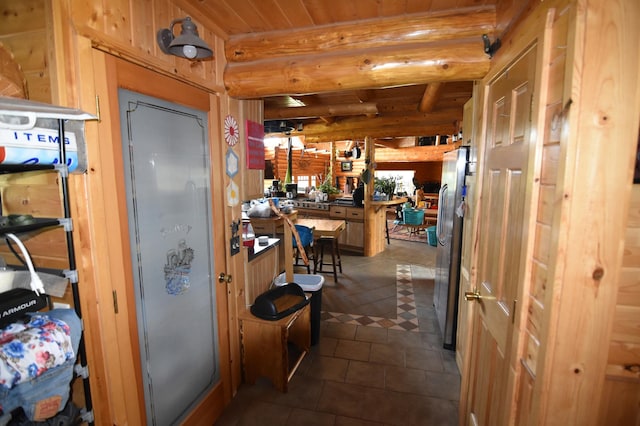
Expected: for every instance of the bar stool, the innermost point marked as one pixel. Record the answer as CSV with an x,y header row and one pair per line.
x,y
330,243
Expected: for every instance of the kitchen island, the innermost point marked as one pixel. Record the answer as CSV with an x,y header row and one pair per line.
x,y
365,227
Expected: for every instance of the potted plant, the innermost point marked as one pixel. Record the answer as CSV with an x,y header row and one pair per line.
x,y
328,188
385,185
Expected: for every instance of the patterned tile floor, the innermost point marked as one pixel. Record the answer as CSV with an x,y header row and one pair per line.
x,y
406,316
372,365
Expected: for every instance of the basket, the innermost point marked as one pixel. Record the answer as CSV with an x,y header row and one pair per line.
x,y
413,216
431,236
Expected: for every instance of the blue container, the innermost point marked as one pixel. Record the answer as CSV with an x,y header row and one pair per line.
x,y
413,216
432,239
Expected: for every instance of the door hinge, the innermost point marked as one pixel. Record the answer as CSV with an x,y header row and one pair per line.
x,y
98,109
513,312
115,301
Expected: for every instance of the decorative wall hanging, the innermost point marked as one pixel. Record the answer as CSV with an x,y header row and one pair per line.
x,y
231,130
346,166
233,194
232,163
255,145
178,269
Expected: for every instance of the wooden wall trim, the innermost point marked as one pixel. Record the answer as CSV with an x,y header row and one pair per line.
x,y
589,231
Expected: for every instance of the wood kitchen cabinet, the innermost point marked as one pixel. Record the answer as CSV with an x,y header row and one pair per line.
x,y
352,238
274,349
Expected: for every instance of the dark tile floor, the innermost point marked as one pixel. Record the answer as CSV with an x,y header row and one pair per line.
x,y
370,367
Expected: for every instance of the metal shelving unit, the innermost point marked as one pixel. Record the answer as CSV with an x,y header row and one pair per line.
x,y
81,368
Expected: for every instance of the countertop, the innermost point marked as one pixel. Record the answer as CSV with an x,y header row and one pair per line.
x,y
257,249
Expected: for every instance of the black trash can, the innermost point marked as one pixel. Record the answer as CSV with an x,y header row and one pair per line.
x,y
310,283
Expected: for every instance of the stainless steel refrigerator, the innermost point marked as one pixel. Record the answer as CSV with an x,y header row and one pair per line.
x,y
449,236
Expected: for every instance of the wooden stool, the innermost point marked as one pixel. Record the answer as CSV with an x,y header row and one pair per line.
x,y
331,244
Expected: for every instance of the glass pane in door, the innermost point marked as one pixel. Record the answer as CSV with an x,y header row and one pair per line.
x,y
166,167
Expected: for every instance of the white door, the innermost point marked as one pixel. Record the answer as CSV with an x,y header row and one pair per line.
x,y
166,167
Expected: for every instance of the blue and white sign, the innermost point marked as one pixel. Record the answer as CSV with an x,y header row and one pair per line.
x,y
36,146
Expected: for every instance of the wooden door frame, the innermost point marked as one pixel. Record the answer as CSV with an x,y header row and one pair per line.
x,y
513,49
115,338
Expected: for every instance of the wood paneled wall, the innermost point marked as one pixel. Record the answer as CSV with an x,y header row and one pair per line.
x,y
128,28
24,32
621,396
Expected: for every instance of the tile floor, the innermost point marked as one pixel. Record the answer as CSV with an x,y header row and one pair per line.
x,y
379,360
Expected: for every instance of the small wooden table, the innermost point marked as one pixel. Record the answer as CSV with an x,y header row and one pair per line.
x,y
274,349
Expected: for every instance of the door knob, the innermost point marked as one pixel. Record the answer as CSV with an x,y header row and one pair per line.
x,y
472,295
224,278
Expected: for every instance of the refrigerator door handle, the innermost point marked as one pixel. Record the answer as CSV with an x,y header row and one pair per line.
x,y
441,219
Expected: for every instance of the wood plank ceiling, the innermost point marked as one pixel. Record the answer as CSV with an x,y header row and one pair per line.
x,y
336,70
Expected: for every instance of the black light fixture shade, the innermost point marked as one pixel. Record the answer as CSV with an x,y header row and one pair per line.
x,y
187,45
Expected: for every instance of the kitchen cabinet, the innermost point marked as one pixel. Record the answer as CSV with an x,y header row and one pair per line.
x,y
352,238
274,349
261,265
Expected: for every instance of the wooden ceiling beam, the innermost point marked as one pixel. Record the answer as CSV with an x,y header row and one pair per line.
x,y
381,132
398,51
364,95
367,109
449,117
431,97
415,29
355,70
413,155
328,120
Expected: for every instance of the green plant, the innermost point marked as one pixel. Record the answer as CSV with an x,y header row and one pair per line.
x,y
327,186
386,185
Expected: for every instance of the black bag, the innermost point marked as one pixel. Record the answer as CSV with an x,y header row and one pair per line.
x,y
15,303
279,302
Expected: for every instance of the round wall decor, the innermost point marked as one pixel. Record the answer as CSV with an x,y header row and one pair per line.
x,y
231,130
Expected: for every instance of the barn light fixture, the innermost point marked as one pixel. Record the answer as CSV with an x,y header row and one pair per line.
x,y
187,45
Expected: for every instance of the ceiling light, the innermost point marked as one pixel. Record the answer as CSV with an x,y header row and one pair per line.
x,y
187,45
